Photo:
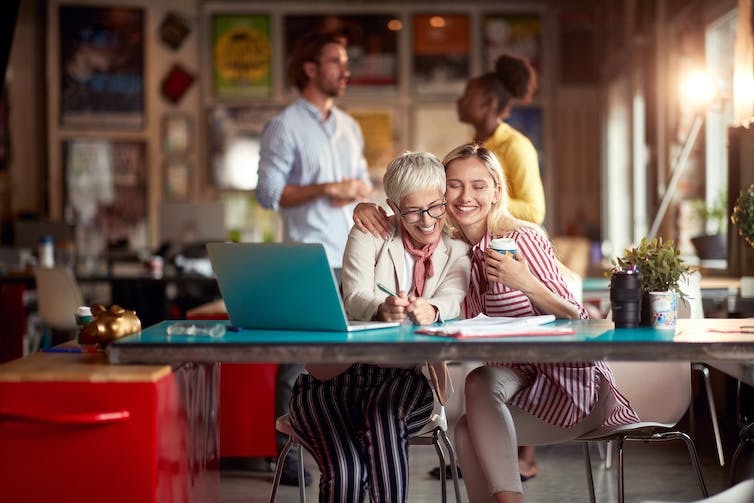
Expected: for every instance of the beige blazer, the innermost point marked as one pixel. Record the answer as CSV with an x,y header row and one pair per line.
x,y
369,260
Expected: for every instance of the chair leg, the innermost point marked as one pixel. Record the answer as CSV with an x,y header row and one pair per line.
x,y
712,410
453,464
589,477
619,469
301,477
279,469
441,456
671,435
694,460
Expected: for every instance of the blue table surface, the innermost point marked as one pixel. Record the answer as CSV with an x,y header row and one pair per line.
x,y
586,331
692,340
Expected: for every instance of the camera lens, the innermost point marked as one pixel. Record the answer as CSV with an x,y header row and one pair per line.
x,y
625,298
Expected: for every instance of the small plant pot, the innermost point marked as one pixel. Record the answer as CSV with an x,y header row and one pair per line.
x,y
663,309
711,247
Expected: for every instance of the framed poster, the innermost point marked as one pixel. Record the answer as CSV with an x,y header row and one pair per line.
x,y
241,55
515,34
101,67
106,187
234,143
176,134
441,49
379,130
177,180
427,136
372,44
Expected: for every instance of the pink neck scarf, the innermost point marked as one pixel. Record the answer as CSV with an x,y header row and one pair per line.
x,y
423,267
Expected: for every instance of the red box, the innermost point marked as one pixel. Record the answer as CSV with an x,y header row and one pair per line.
x,y
75,429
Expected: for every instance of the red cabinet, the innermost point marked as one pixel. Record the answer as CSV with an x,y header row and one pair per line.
x,y
74,428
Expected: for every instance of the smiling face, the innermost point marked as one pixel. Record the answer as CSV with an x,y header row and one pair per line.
x,y
471,192
428,229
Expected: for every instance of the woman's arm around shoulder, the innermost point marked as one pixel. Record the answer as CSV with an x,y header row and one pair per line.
x,y
452,288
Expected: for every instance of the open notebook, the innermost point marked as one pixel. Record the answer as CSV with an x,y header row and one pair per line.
x,y
281,286
498,326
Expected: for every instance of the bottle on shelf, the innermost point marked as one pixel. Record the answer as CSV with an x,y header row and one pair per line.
x,y
46,252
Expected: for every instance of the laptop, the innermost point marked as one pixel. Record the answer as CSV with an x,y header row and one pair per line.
x,y
281,286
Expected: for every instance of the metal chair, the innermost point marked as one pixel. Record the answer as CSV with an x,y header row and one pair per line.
x,y
434,434
660,407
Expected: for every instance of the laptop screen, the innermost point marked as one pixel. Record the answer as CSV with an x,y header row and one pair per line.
x,y
278,286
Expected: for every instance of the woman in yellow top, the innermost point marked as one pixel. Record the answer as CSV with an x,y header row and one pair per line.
x,y
484,104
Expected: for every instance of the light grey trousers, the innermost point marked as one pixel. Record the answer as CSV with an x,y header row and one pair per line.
x,y
488,435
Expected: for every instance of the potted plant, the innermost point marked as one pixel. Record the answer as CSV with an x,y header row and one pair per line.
x,y
712,244
743,214
660,266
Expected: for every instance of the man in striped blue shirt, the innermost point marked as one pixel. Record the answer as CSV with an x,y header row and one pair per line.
x,y
312,169
311,164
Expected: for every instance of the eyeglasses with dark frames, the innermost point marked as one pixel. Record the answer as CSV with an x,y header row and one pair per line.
x,y
415,216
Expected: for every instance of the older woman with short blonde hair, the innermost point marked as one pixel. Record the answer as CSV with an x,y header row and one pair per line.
x,y
356,419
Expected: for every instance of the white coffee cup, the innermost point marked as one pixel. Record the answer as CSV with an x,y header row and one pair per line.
x,y
506,246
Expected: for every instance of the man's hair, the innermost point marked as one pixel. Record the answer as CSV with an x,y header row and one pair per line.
x,y
308,49
411,172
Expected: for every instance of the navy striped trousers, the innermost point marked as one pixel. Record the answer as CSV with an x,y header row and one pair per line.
x,y
357,427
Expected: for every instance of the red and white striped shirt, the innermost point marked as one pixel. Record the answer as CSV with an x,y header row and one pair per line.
x,y
560,393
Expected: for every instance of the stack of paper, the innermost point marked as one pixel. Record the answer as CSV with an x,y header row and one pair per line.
x,y
491,326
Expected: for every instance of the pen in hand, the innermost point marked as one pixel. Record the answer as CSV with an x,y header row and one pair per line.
x,y
386,289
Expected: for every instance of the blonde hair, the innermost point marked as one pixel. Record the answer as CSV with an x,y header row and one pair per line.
x,y
499,219
411,172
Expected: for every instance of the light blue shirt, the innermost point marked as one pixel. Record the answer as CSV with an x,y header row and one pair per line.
x,y
298,147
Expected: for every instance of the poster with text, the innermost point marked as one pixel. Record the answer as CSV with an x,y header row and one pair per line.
x,y
101,67
241,55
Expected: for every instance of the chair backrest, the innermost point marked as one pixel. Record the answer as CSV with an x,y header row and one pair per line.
x,y
58,296
658,392
690,284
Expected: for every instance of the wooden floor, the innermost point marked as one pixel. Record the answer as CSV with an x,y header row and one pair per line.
x,y
658,471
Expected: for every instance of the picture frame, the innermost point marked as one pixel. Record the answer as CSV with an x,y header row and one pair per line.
x,y
379,129
101,62
517,34
176,134
372,46
106,188
441,53
177,180
241,55
234,135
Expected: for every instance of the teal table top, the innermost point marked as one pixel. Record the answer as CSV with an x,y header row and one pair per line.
x,y
693,340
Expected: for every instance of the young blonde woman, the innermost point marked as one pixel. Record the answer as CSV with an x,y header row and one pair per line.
x,y
511,404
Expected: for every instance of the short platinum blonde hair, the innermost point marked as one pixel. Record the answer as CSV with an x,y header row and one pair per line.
x,y
411,172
